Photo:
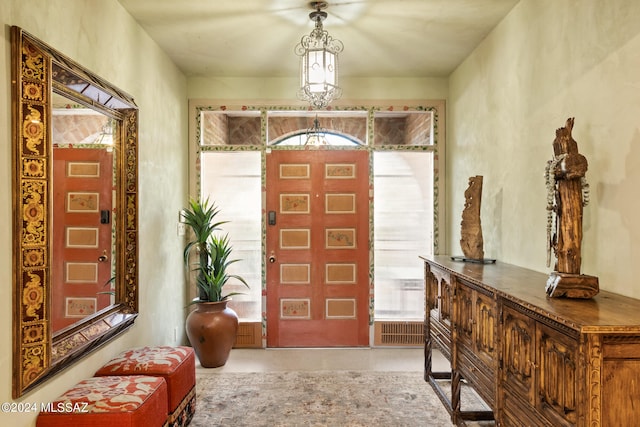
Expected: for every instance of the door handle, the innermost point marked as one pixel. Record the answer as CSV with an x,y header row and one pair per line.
x,y
272,257
103,257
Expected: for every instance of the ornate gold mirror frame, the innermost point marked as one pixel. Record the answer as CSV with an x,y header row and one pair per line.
x,y
37,72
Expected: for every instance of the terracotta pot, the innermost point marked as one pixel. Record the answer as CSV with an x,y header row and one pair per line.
x,y
212,328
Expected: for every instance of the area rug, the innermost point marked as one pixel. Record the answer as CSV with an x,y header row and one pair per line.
x,y
317,398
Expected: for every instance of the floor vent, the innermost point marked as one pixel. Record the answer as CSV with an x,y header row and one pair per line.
x,y
399,333
249,335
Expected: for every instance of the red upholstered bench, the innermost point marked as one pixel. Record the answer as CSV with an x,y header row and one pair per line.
x,y
175,364
121,401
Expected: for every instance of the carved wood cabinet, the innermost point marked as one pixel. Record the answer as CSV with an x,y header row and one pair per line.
x,y
534,360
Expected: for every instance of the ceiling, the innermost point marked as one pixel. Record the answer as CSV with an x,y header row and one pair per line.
x,y
255,38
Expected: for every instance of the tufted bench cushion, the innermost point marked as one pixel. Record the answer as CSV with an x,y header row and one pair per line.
x,y
121,401
175,364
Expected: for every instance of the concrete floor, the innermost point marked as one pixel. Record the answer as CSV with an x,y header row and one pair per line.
x,y
327,359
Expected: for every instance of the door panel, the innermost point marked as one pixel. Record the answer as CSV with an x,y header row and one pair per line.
x,y
82,225
318,248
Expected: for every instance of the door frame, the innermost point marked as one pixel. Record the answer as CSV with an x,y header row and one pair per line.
x,y
259,109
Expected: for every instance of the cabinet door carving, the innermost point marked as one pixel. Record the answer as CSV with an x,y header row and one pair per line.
x,y
445,300
557,382
475,342
518,357
439,295
485,328
464,320
476,322
438,301
432,290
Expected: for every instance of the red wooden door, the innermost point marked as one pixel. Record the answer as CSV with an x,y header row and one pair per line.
x,y
317,248
81,257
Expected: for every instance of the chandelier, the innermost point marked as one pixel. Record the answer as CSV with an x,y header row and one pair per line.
x,y
319,62
316,134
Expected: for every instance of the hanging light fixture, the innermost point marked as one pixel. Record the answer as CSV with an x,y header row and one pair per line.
x,y
316,134
319,62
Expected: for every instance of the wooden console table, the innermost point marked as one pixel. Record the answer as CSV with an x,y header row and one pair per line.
x,y
534,360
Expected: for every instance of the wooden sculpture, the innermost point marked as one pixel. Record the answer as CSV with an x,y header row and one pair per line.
x,y
568,193
471,232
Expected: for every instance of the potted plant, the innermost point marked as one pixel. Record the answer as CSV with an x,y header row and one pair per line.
x,y
212,326
200,218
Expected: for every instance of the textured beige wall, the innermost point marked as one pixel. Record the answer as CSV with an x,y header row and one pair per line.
x,y
104,38
283,90
547,61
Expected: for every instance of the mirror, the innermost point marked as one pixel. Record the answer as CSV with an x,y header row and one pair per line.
x,y
83,212
75,204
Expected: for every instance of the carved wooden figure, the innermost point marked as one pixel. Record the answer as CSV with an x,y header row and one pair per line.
x,y
471,233
567,189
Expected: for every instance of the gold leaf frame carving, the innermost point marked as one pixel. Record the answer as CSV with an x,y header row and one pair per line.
x,y
38,353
